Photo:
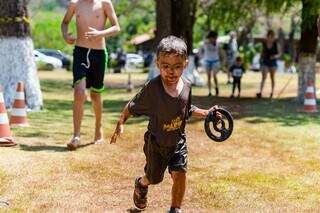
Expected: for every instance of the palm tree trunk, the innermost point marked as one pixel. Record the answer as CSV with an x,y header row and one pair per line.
x,y
16,54
308,48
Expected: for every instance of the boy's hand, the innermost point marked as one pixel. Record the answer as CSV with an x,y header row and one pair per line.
x,y
117,132
69,38
93,34
218,114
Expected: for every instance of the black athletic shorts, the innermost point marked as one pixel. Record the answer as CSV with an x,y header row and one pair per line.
x,y
89,64
159,158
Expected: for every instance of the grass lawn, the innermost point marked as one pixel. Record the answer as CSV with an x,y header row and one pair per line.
x,y
271,162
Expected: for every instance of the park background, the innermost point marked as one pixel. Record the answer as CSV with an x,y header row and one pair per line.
x,y
270,163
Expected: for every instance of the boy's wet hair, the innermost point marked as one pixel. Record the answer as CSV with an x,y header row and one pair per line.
x,y
239,59
172,45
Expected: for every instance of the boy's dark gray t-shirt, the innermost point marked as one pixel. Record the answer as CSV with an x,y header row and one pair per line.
x,y
167,114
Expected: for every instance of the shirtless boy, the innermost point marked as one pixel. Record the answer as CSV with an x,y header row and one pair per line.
x,y
89,57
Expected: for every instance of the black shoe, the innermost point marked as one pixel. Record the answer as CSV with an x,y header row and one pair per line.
x,y
217,91
238,96
259,95
232,96
209,94
140,194
271,95
174,210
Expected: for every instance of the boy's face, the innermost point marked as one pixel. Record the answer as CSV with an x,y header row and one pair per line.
x,y
171,67
238,62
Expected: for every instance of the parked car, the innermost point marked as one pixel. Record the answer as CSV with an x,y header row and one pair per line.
x,y
134,61
46,62
66,62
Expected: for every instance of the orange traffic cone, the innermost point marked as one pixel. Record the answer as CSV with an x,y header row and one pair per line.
x,y
5,133
310,103
19,113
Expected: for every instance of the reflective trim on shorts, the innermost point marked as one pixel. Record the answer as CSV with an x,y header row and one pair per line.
x,y
92,89
78,81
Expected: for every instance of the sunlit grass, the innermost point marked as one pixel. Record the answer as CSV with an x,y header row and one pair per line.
x,y
270,163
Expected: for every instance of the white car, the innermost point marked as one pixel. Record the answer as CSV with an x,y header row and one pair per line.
x,y
134,61
45,62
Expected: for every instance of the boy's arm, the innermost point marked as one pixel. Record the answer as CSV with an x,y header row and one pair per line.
x,y
120,125
111,14
65,23
202,113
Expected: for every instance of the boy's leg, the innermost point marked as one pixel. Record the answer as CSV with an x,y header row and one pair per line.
x,y
140,193
96,84
178,188
144,181
154,171
79,99
239,86
97,107
178,169
228,76
233,86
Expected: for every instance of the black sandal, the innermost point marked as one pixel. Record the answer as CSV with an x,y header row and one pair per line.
x,y
140,194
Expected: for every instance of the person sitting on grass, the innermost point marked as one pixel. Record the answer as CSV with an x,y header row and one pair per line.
x,y
166,100
237,70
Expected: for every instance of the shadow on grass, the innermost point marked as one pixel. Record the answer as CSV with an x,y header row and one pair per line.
x,y
54,105
55,86
252,110
39,148
286,111
31,134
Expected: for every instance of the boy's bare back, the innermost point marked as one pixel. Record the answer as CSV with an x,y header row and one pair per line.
x,y
91,17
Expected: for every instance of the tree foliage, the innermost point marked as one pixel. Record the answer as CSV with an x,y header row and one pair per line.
x,y
135,17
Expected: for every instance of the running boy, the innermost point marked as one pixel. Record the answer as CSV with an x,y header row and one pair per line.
x,y
89,57
166,100
237,71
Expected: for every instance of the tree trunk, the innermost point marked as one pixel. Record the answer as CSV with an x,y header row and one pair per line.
x,y
16,54
183,18
291,42
243,38
176,17
307,65
163,19
308,48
